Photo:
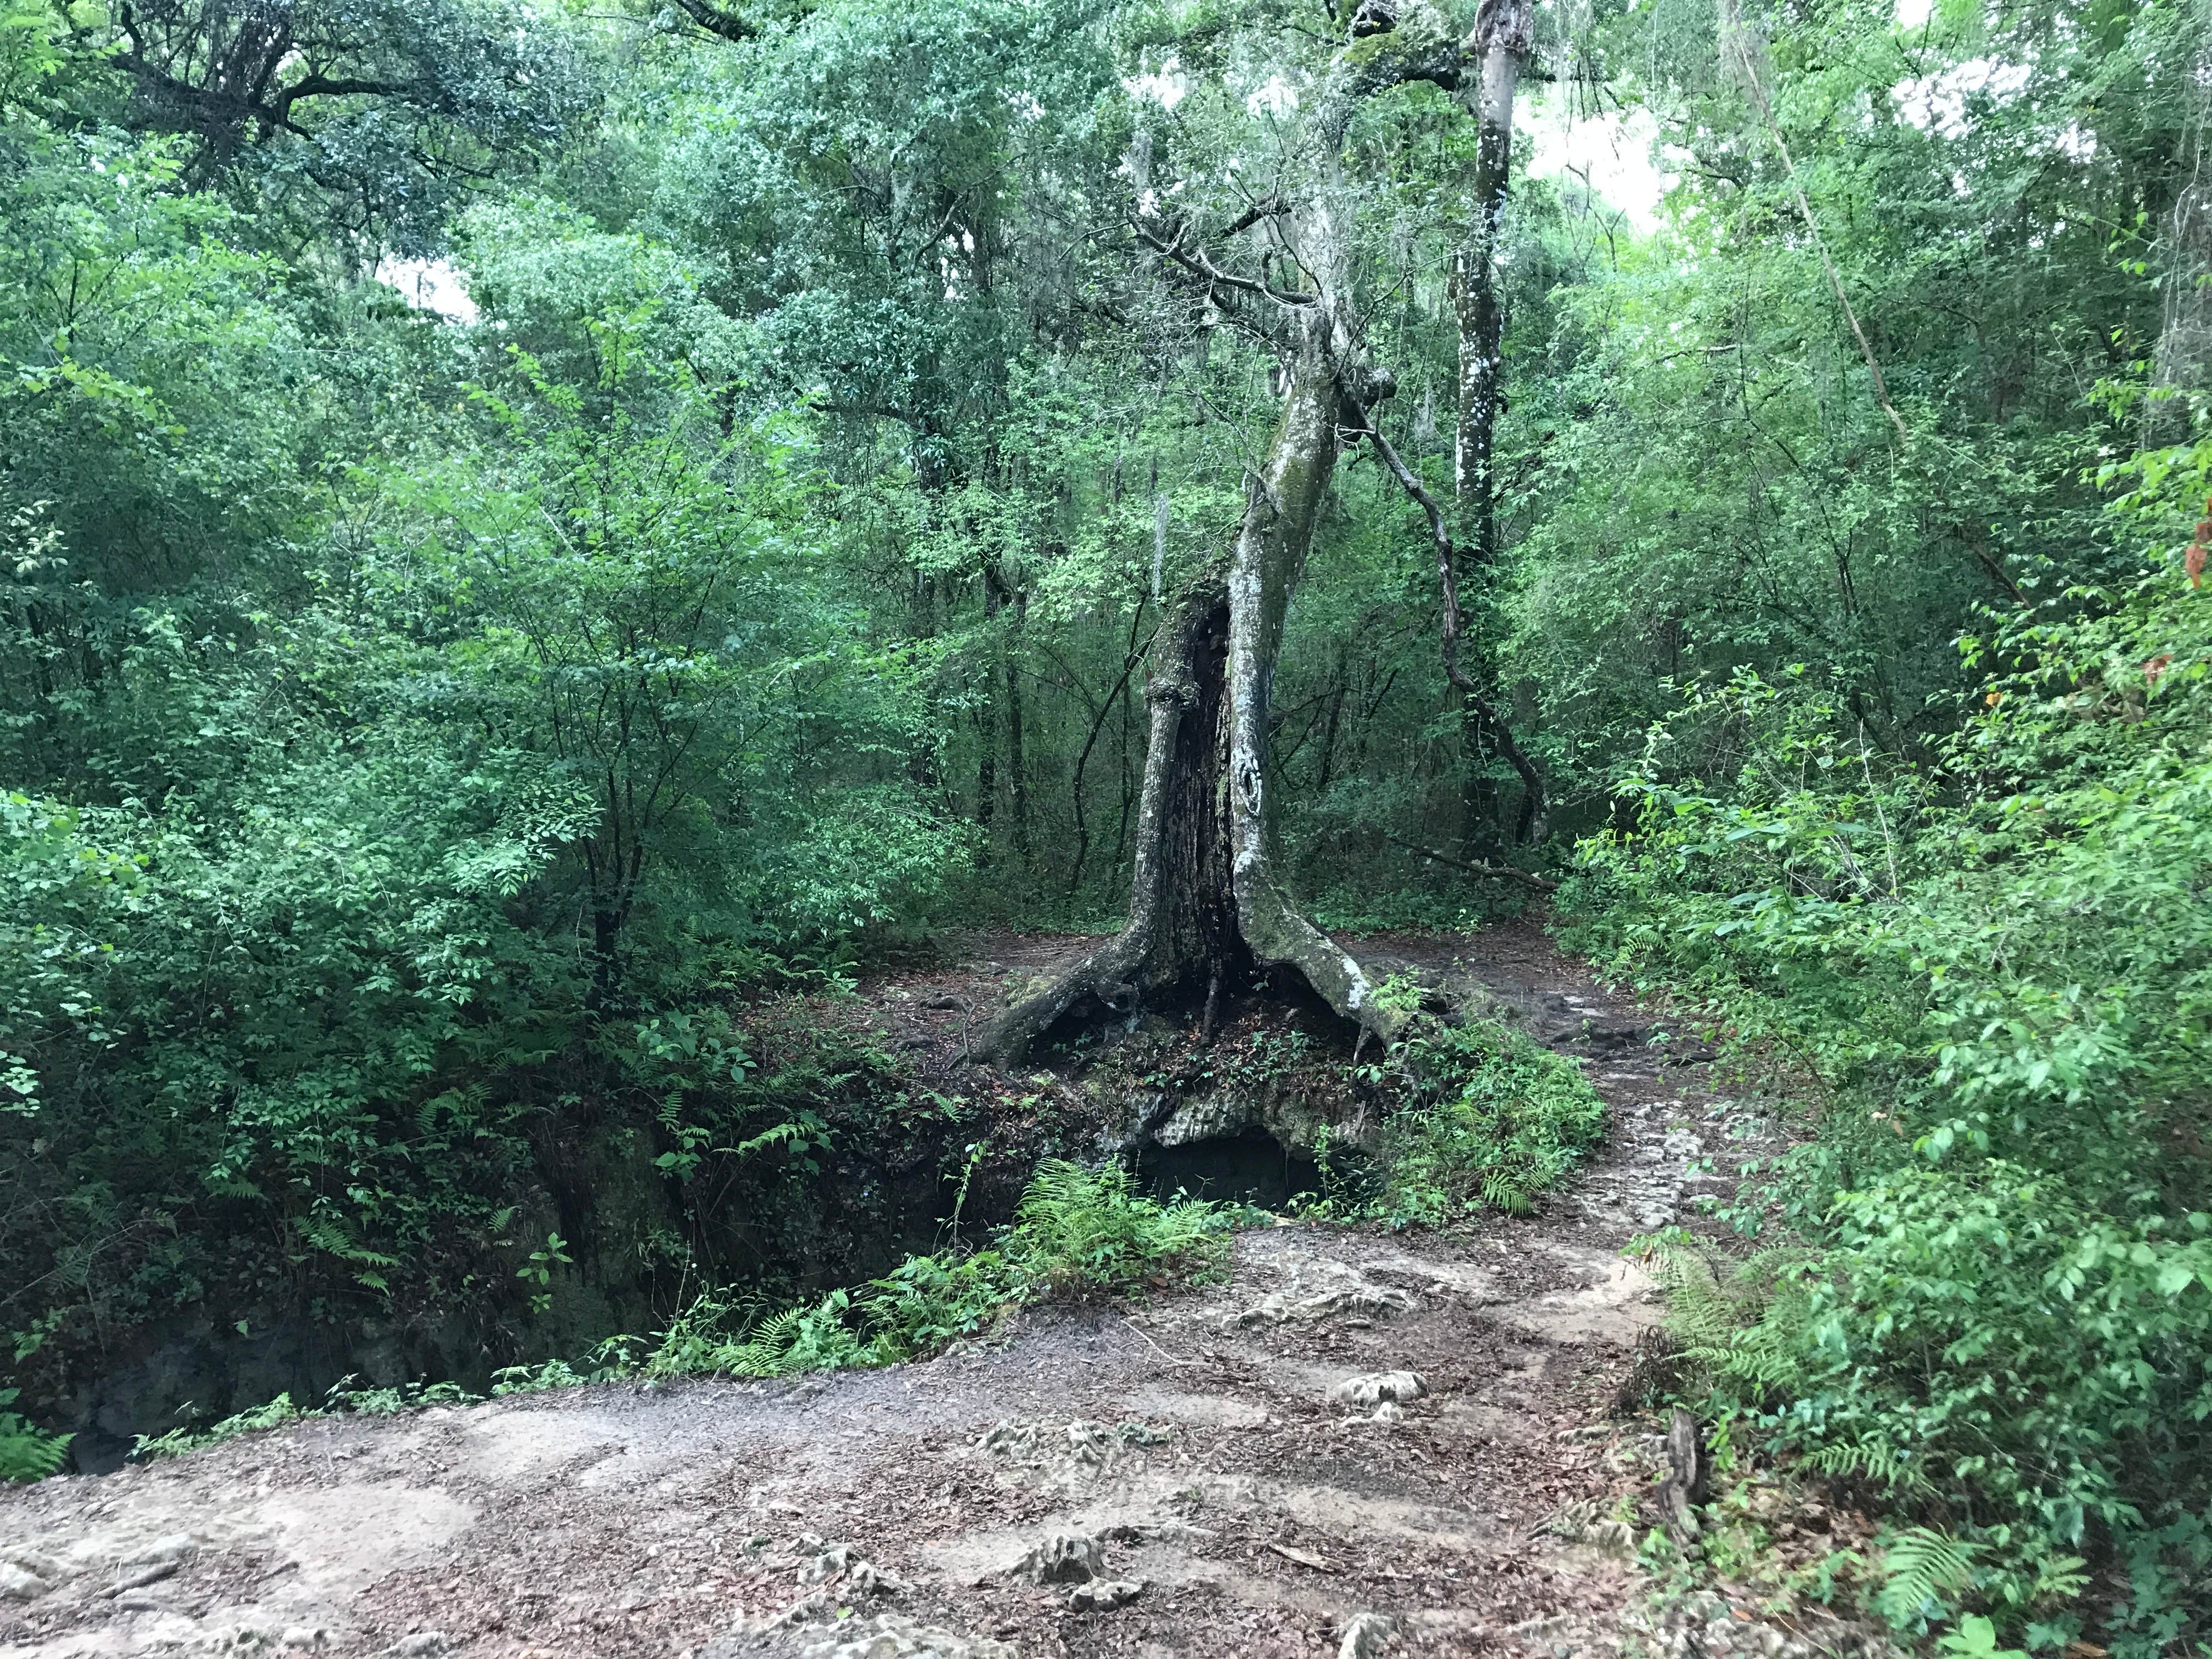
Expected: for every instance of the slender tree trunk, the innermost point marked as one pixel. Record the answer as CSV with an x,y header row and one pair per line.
x,y
1504,34
987,716
2183,361
1334,722
1016,765
1115,694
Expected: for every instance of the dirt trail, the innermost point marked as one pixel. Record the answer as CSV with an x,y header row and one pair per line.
x,y
1207,1476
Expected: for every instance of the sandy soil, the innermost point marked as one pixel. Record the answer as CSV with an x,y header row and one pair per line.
x,y
1188,1478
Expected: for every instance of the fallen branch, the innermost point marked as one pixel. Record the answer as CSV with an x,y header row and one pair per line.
x,y
1155,1348
1500,872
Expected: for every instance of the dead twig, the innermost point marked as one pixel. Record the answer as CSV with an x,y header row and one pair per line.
x,y
1500,872
1197,1364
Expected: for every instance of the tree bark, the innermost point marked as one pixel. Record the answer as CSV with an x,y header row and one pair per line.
x,y
1502,38
1016,760
987,713
2182,364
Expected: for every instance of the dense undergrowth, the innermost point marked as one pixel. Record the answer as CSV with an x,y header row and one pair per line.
x,y
1493,1121
1496,1121
1981,1296
1077,1232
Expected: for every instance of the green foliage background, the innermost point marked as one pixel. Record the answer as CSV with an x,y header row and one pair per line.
x,y
436,747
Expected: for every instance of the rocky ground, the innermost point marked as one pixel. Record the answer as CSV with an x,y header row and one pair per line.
x,y
1357,1445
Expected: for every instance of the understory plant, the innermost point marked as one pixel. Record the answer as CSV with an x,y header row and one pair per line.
x,y
1980,1299
341,1399
26,1451
1496,1120
1078,1232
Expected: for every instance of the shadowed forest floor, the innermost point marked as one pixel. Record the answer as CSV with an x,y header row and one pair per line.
x,y
1198,1456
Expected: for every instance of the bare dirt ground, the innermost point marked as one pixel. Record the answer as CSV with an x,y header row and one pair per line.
x,y
1223,1472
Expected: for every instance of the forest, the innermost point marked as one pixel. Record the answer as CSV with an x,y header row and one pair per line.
x,y
541,544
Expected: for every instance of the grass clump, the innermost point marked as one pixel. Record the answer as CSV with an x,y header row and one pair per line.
x,y
342,1400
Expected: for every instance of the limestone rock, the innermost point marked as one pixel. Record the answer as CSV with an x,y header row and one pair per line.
x,y
1398,1388
1366,1635
1102,1594
1356,1297
832,1562
170,1551
1613,1538
887,1636
869,1579
1064,1558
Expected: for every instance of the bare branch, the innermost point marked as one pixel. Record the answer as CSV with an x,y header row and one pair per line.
x,y
726,24
1447,580
1194,260
1474,867
1735,39
1271,207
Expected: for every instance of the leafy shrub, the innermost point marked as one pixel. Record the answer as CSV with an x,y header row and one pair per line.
x,y
1989,1301
1984,1349
1503,1120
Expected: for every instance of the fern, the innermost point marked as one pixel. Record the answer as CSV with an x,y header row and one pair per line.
x,y
27,1452
178,1441
1078,1228
1920,1568
1870,1459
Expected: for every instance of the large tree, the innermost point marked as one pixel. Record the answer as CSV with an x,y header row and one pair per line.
x,y
375,118
1205,908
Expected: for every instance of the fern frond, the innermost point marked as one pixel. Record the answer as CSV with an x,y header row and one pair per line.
x,y
1920,1567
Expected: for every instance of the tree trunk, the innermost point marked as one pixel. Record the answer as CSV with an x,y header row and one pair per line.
x,y
987,714
1504,34
1205,908
1017,762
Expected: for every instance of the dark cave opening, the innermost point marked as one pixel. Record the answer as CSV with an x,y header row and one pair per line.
x,y
1250,1167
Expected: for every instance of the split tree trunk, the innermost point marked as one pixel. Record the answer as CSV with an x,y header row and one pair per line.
x,y
2182,361
1205,908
